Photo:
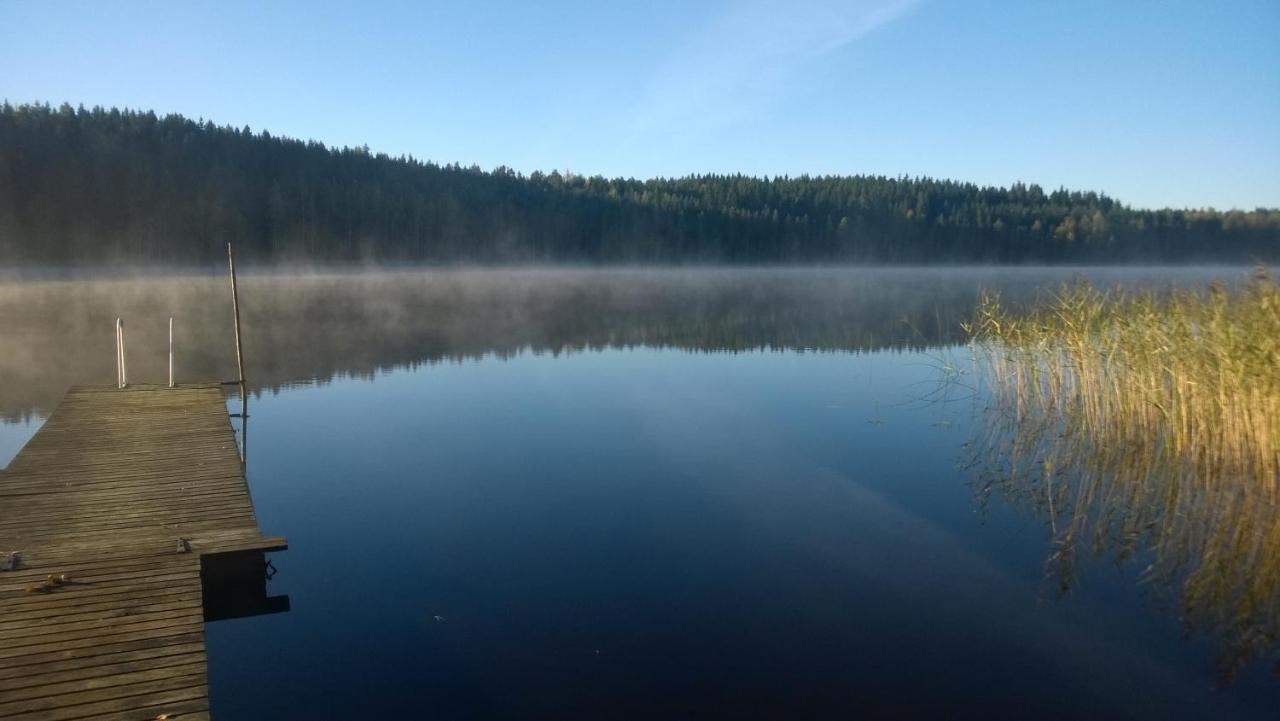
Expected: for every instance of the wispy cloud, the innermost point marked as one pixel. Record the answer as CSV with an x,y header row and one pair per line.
x,y
741,60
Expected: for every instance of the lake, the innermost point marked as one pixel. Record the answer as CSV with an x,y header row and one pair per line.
x,y
685,493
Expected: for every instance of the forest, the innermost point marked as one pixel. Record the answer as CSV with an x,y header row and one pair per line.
x,y
91,186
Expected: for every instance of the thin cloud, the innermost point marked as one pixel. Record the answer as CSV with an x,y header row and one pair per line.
x,y
743,58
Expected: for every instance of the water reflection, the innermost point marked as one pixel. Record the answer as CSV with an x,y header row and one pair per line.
x,y
240,426
303,328
672,534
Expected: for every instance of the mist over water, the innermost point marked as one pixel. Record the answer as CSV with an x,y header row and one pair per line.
x,y
302,327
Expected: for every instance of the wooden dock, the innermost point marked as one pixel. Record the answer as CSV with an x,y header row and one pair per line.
x,y
138,497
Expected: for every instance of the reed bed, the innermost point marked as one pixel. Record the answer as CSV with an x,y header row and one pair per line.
x,y
1146,425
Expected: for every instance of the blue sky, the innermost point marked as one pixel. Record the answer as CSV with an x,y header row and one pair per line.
x,y
1156,103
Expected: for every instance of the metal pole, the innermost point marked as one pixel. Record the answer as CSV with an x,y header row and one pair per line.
x,y
170,351
235,306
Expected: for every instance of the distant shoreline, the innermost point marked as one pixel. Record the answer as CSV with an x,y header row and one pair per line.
x,y
88,186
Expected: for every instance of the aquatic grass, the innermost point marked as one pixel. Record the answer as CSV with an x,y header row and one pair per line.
x,y
1147,424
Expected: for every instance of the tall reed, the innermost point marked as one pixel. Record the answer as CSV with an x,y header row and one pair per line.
x,y
1147,424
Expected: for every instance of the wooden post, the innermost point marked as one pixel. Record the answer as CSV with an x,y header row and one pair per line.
x,y
235,307
170,351
122,376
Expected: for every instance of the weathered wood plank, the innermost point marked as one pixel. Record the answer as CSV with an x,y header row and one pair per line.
x,y
163,657
114,698
116,652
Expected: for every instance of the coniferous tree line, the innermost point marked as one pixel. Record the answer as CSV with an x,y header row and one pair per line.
x,y
91,185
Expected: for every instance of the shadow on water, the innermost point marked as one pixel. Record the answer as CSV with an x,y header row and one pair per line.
x,y
235,586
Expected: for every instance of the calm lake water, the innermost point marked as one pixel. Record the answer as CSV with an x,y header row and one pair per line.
x,y
634,494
